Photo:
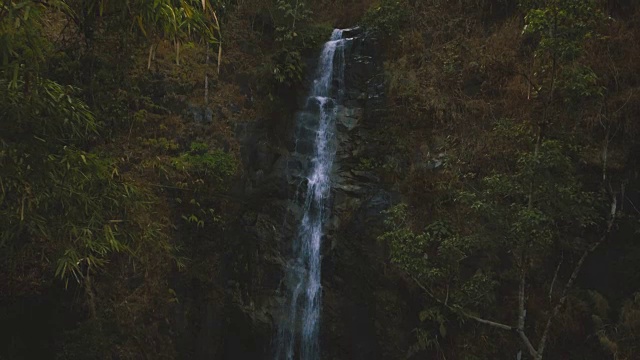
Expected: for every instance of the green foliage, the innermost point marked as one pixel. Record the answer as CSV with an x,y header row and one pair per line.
x,y
288,67
53,190
387,16
514,220
74,201
314,35
290,16
29,105
562,29
425,340
435,258
538,204
178,21
200,216
293,35
368,164
561,25
23,49
77,207
162,144
518,196
621,336
580,84
175,20
204,162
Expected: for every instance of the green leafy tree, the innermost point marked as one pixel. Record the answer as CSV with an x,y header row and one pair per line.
x,y
517,220
290,18
560,29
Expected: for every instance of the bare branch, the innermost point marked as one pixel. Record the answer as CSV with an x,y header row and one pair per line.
x,y
495,324
633,205
527,343
521,312
555,276
489,322
459,310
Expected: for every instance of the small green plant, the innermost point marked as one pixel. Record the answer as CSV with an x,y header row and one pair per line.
x,y
202,161
199,147
199,215
367,164
161,144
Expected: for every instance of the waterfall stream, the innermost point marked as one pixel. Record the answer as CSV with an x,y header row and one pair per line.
x,y
298,331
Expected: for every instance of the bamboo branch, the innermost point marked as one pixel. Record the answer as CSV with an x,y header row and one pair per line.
x,y
206,77
219,56
150,57
215,17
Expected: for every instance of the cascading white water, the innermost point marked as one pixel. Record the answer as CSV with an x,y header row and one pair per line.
x,y
298,332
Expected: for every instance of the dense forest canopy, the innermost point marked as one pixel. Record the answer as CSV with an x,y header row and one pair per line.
x,y
509,133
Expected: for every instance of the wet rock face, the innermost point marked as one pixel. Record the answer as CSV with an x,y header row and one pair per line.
x,y
363,314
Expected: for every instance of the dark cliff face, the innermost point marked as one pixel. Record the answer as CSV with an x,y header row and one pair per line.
x,y
364,314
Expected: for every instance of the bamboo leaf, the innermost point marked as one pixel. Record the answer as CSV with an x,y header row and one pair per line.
x,y
443,330
423,315
139,18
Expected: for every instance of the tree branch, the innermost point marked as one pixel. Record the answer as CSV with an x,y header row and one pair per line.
x,y
522,314
489,322
528,344
574,275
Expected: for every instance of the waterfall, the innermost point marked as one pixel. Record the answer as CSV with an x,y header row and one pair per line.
x,y
297,336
